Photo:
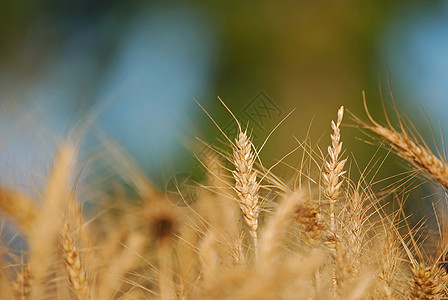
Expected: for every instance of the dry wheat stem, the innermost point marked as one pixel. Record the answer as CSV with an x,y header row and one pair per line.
x,y
246,185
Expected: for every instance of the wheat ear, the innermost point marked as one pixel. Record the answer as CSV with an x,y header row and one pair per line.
x,y
428,282
334,167
410,149
414,153
330,177
246,184
21,286
310,222
75,269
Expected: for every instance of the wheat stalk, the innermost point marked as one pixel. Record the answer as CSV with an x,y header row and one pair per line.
x,y
246,185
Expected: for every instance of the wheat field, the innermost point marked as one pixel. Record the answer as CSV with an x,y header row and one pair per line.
x,y
249,235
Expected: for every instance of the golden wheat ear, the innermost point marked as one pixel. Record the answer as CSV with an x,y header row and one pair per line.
x,y
74,265
334,167
246,185
21,286
410,149
246,177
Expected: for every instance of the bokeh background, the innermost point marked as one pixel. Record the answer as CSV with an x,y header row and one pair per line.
x,y
140,66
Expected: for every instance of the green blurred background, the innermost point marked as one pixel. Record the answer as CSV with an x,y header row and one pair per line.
x,y
144,63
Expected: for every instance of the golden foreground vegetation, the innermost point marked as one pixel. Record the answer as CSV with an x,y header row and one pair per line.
x,y
248,235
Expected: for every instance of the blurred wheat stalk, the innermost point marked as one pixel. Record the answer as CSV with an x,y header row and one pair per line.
x,y
333,241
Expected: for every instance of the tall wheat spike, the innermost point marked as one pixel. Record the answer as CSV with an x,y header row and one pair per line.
x,y
246,185
334,167
331,189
